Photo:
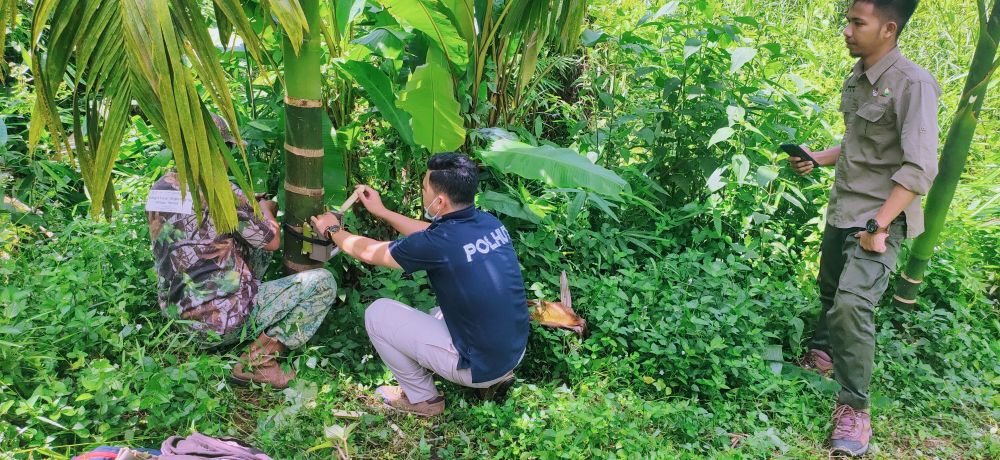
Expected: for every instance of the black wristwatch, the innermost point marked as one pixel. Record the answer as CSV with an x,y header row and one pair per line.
x,y
331,230
873,227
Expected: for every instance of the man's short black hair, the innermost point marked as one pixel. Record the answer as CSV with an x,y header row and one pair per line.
x,y
455,175
898,11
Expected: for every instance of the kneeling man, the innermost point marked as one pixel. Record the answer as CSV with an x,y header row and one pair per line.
x,y
478,333
215,280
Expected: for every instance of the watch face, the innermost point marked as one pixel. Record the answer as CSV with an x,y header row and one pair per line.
x,y
871,226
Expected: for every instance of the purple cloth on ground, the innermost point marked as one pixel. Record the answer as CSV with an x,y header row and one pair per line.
x,y
198,446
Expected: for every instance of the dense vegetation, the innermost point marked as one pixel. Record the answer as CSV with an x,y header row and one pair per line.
x,y
695,277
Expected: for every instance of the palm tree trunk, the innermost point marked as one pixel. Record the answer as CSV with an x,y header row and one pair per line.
x,y
953,155
303,137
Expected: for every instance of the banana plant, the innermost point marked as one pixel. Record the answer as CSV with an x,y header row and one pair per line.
x,y
463,37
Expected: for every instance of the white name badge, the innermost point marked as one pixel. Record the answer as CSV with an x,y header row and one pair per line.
x,y
169,201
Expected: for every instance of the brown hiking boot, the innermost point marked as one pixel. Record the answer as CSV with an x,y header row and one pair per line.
x,y
395,398
817,361
260,365
498,391
852,429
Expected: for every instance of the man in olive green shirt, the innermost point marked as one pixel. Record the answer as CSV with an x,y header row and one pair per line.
x,y
887,160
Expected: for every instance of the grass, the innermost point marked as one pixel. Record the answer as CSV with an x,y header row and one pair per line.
x,y
83,375
673,368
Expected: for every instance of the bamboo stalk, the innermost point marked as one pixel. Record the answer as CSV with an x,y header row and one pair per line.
x,y
303,132
953,157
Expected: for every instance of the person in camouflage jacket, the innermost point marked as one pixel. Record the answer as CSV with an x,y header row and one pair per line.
x,y
214,281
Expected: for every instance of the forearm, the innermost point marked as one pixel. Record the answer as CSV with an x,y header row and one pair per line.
x,y
404,225
898,200
365,249
272,223
828,157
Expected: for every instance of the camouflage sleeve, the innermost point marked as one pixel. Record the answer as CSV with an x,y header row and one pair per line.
x,y
251,228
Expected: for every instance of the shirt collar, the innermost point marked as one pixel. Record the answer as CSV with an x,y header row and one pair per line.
x,y
459,215
876,71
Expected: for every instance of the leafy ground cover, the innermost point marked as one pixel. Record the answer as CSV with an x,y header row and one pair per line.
x,y
688,282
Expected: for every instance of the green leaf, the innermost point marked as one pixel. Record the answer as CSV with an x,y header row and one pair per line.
x,y
665,10
429,98
794,201
334,172
555,166
722,134
715,181
3,133
224,26
575,206
422,16
603,204
593,37
741,166
798,326
383,43
292,20
741,56
766,174
463,14
346,11
691,46
735,114
505,204
381,93
21,217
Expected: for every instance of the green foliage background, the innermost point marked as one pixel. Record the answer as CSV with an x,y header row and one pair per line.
x,y
686,280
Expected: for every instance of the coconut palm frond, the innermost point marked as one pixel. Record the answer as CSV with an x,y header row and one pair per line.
x,y
158,55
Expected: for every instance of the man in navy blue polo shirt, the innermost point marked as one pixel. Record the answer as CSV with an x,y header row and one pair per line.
x,y
478,333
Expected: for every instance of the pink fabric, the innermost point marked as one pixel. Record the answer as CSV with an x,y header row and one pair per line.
x,y
199,447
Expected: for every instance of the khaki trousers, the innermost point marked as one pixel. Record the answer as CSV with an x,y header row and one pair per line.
x,y
415,346
851,283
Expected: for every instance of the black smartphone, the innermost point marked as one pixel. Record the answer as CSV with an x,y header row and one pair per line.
x,y
797,152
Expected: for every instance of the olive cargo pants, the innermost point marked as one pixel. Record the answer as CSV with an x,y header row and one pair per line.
x,y
851,283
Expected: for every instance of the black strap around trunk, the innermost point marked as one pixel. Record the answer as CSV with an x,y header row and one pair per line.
x,y
289,230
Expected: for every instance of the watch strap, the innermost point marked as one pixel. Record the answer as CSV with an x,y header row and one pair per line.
x,y
331,230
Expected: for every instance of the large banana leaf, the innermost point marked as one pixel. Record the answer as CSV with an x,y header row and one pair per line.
x,y
555,166
424,16
345,11
504,204
463,14
429,98
381,93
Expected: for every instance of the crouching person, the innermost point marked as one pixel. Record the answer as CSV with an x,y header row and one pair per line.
x,y
214,280
478,333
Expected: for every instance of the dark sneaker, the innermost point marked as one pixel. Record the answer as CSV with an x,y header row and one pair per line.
x,y
817,361
394,398
498,391
852,429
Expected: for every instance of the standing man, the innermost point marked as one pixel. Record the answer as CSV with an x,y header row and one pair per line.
x,y
478,333
888,159
214,279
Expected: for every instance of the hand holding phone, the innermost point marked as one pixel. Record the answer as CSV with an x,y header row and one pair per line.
x,y
797,151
